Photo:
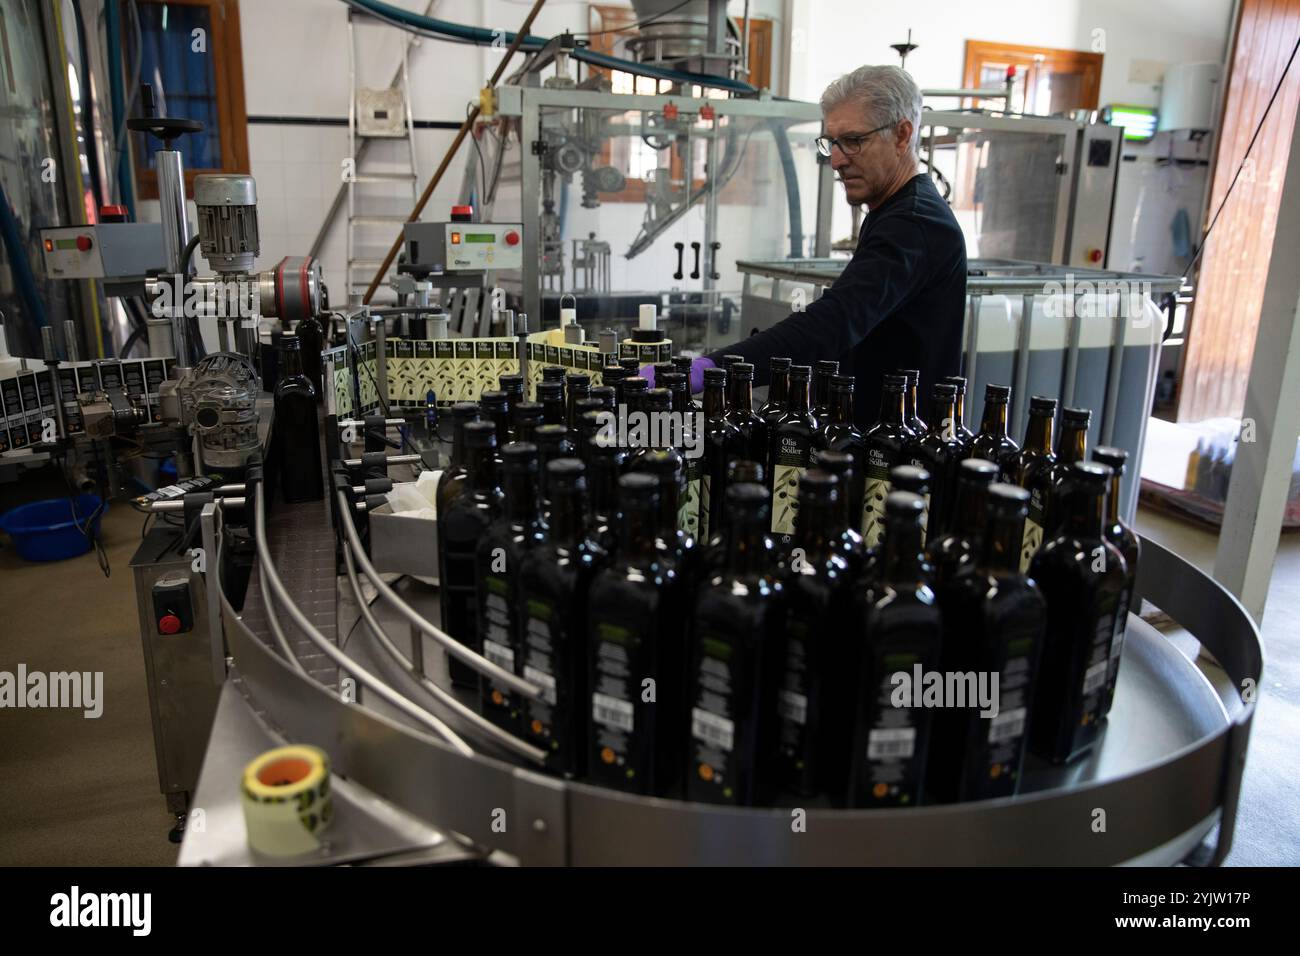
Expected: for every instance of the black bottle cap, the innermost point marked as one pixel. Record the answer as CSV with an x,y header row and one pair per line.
x,y
730,360
604,394
1008,499
465,412
943,390
742,370
519,457
493,400
846,382
800,373
826,366
910,478
833,462
657,400
630,365
904,504
480,434
819,484
1113,458
780,364
553,373
956,380
636,384
659,462
895,382
526,412
997,393
550,390
589,420
596,446
550,436
511,383
718,375
592,403
1076,416
683,364
979,471
578,380
743,471
1090,474
613,373
565,471
671,380
1041,405
638,486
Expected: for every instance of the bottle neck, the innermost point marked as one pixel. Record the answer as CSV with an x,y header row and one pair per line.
x,y
893,407
742,394
971,499
480,464
959,407
1002,543
568,515
820,522
604,485
1085,513
902,551
521,497
715,401
798,396
636,533
995,419
669,502
1112,501
842,407
778,389
1038,434
1073,444
458,444
909,401
944,417
292,362
746,546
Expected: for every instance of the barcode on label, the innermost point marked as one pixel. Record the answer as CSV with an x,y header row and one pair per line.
x,y
500,655
713,730
543,680
611,712
895,743
1007,725
794,707
1094,677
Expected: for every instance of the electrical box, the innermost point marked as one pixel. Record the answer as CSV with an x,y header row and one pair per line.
x,y
1189,96
110,250
465,246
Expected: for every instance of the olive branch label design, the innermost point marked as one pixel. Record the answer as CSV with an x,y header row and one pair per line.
x,y
1030,543
688,515
785,498
873,511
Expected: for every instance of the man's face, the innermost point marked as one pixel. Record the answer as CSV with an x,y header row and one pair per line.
x,y
868,175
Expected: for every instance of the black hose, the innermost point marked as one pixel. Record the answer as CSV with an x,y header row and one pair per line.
x,y
188,256
792,198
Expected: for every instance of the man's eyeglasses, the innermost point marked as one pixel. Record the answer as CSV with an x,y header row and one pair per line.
x,y
850,144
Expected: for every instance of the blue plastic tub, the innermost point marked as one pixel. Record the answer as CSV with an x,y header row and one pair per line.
x,y
46,531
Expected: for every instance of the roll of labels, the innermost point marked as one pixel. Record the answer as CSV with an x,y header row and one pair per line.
x,y
287,800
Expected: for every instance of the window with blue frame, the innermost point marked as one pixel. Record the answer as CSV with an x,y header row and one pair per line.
x,y
189,53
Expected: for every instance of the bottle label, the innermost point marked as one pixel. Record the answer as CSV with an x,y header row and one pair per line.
x,y
1030,542
1008,725
713,726
688,512
612,713
1093,684
1006,732
792,699
789,463
1117,642
877,486
540,668
705,503
498,646
892,771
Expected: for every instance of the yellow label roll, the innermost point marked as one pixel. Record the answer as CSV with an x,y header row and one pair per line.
x,y
287,800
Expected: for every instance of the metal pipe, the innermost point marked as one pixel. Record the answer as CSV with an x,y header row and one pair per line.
x,y
453,647
179,504
392,460
281,594
477,721
278,632
171,207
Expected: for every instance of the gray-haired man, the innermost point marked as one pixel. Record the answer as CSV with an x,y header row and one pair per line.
x,y
899,302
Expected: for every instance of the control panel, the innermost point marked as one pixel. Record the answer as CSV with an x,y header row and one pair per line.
x,y
465,246
111,250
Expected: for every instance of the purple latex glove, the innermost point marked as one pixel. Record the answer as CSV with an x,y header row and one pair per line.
x,y
698,366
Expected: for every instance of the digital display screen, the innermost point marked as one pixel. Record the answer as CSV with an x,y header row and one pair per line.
x,y
65,243
480,237
1139,122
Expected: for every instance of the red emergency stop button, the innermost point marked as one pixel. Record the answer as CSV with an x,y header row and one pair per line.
x,y
1094,255
512,238
83,243
169,624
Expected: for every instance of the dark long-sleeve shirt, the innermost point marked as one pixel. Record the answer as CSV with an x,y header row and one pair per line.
x,y
898,304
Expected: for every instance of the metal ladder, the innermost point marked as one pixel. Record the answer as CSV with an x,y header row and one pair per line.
x,y
374,114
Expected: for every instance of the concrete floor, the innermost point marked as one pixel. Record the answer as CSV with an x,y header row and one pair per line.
x,y
85,792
